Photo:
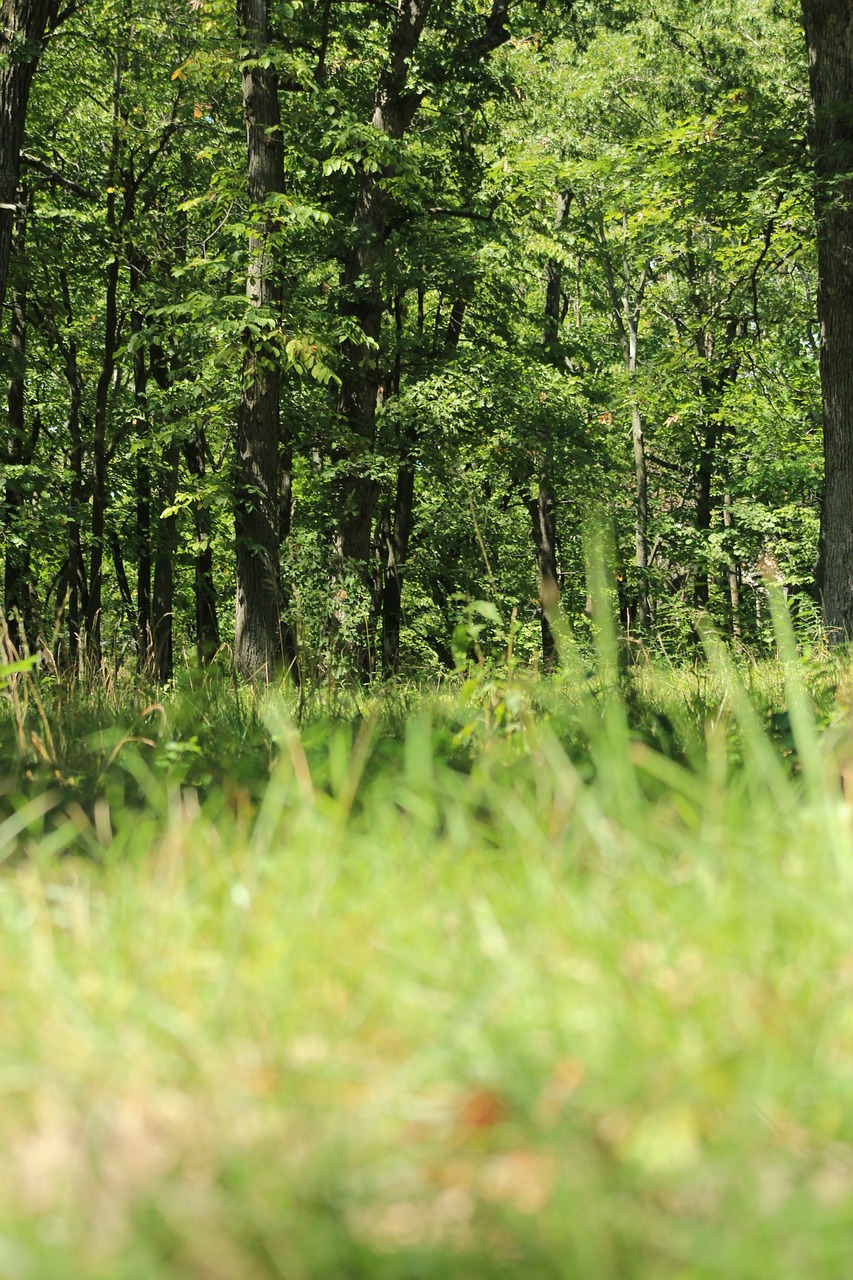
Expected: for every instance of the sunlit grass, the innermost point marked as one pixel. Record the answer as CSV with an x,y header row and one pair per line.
x,y
521,980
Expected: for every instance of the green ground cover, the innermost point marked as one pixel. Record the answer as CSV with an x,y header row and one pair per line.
x,y
509,979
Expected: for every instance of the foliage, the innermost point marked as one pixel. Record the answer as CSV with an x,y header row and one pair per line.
x,y
677,135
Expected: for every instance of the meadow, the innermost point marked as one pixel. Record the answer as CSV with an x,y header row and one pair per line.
x,y
513,977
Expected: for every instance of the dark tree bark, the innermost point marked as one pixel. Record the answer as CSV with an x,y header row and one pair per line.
x,y
257,638
121,573
23,27
19,592
829,35
396,528
454,324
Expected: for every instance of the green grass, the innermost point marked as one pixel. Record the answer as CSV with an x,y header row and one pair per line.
x,y
513,980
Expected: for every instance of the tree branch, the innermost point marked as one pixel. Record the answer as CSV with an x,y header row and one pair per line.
x,y
471,214
496,32
67,184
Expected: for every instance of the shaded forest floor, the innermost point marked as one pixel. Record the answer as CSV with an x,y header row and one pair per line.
x,y
510,978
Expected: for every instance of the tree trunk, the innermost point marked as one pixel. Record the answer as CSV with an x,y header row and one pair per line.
x,y
714,432
704,507
641,532
399,533
544,525
77,589
543,518
626,303
102,391
829,35
394,109
396,530
732,571
165,544
257,630
161,541
23,26
206,620
75,600
19,592
99,465
454,324
144,627
289,648
395,105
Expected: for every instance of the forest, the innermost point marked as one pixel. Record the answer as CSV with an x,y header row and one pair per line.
x,y
471,287
426,685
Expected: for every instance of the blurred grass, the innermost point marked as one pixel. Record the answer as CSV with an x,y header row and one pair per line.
x,y
513,979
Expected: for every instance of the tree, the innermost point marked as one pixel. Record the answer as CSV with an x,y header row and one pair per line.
x,y
257,629
396,103
23,27
829,35
427,366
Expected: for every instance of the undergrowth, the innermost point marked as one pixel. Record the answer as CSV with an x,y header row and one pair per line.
x,y
510,977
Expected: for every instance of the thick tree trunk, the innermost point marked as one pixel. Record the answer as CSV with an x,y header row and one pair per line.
x,y
257,630
544,525
23,26
829,34
454,324
19,592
